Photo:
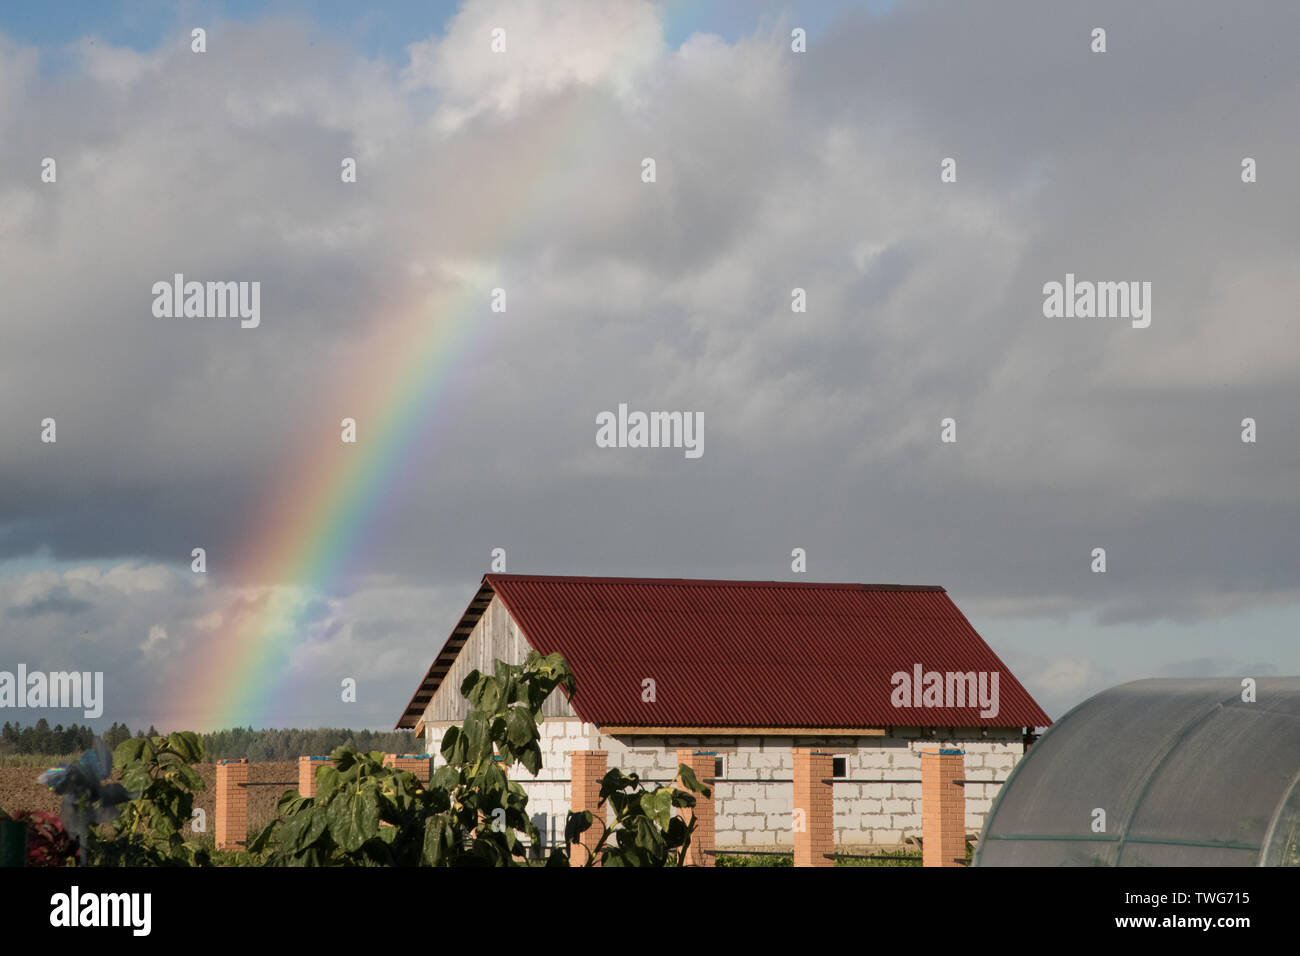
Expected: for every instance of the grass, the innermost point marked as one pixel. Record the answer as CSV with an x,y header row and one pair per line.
x,y
757,859
882,858
226,857
38,761
901,857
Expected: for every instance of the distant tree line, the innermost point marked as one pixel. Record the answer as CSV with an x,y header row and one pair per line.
x,y
290,744
256,745
44,739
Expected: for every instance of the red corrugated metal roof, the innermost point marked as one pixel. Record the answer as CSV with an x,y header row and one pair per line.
x,y
754,653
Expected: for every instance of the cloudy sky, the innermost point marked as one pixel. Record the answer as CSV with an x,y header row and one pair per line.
x,y
523,170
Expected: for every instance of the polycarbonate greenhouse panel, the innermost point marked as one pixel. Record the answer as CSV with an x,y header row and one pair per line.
x,y
1158,773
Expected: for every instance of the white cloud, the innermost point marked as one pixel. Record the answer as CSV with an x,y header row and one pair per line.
x,y
115,66
549,47
126,578
157,634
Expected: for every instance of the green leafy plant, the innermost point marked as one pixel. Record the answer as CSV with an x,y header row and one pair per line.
x,y
470,813
157,775
344,823
645,831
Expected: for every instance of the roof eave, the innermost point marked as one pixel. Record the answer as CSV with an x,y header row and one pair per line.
x,y
413,713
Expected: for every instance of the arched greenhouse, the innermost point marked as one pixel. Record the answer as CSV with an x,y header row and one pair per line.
x,y
1158,773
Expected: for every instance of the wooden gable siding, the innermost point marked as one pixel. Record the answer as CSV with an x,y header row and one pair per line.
x,y
495,637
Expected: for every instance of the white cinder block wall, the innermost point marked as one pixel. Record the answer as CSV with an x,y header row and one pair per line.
x,y
755,797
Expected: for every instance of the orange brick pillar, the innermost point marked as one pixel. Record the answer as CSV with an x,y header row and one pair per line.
x,y
814,808
702,764
232,804
418,764
586,769
307,774
943,808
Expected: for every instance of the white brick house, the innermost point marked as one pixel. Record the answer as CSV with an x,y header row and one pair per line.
x,y
745,670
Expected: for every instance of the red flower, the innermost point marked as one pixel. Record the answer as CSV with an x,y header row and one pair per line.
x,y
47,843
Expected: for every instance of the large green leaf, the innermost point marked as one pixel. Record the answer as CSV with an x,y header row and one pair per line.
x,y
186,745
304,829
577,824
521,730
445,778
658,805
191,777
440,841
450,740
678,833
491,780
263,838
291,801
128,751
487,696
353,817
136,779
615,780
328,780
650,840
469,683
690,781
683,798
478,743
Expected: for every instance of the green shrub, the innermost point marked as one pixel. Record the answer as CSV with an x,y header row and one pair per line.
x,y
156,772
470,813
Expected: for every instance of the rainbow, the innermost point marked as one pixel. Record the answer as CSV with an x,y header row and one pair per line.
x,y
302,542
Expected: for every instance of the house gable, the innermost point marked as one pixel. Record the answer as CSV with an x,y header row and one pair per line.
x,y
493,636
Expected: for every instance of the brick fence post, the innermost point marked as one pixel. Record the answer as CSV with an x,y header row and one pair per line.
x,y
586,769
232,804
943,808
814,808
702,764
307,774
418,764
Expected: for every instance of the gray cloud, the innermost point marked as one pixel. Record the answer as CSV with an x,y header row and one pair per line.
x,y
58,602
775,171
